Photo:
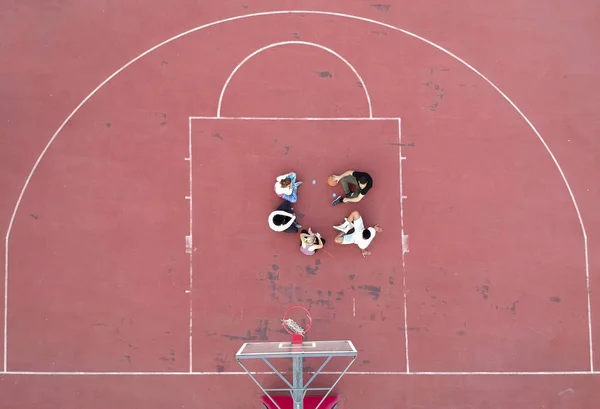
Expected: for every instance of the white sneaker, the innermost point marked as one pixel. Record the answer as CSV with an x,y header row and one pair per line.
x,y
344,227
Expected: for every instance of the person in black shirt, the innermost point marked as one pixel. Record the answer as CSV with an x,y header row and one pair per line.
x,y
283,219
361,181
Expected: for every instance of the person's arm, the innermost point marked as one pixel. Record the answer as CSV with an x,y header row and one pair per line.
x,y
318,245
304,236
346,173
293,198
353,199
280,178
315,247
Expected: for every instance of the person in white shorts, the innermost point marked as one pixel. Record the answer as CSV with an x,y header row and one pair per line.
x,y
352,231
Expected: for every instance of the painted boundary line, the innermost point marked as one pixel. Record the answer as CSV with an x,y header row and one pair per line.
x,y
189,241
564,373
258,118
404,249
189,245
319,46
298,12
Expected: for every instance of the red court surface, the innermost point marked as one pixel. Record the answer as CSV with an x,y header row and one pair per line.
x,y
490,306
350,297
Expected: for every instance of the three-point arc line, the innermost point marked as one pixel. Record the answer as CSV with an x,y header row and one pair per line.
x,y
292,12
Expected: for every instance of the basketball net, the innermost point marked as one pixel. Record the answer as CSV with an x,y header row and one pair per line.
x,y
292,326
295,328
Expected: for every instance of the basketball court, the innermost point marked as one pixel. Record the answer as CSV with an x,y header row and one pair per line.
x,y
139,260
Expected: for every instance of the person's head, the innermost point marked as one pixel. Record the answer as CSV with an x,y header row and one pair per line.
x,y
366,234
285,182
310,240
362,181
280,220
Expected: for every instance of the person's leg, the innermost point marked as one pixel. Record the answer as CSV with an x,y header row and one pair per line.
x,y
293,198
286,206
353,216
347,225
346,182
346,238
354,194
295,183
292,229
293,177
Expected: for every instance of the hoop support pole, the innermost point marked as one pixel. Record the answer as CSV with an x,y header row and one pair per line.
x,y
298,382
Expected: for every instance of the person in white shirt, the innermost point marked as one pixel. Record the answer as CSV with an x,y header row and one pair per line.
x,y
286,187
352,231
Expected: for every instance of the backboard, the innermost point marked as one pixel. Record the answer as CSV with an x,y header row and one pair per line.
x,y
288,350
297,351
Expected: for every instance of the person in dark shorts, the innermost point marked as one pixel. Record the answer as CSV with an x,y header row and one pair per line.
x,y
283,219
362,182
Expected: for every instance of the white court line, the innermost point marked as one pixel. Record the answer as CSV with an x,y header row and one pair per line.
x,y
402,234
191,240
259,118
292,12
220,118
558,373
362,83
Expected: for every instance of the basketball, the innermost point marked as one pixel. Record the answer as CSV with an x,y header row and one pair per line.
x,y
331,181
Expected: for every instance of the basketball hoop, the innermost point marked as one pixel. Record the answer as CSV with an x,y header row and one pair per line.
x,y
296,320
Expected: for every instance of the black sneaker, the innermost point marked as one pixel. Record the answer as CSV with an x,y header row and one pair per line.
x,y
337,201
